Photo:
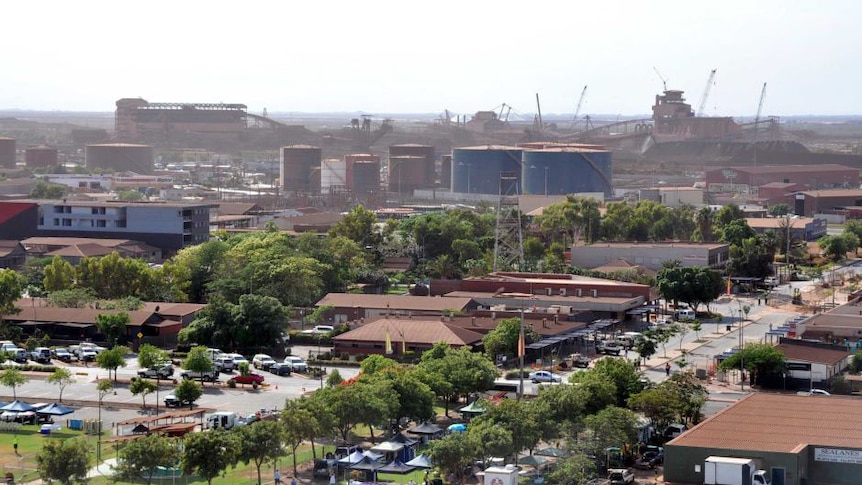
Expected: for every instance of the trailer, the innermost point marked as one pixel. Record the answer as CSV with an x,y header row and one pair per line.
x,y
723,470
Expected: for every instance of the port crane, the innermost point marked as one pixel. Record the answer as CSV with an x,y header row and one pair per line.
x,y
759,111
663,80
709,83
578,109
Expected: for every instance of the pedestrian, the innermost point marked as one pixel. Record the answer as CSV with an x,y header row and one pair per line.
x,y
293,481
667,369
276,477
626,353
331,479
15,445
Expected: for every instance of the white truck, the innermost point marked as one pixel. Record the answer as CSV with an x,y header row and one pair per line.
x,y
723,470
224,419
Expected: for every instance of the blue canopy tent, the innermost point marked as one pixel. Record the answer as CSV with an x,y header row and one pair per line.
x,y
369,466
420,461
397,467
17,406
55,409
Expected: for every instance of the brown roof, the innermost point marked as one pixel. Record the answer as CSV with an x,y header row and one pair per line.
x,y
415,331
825,321
777,222
71,315
71,241
807,353
768,422
833,193
573,299
236,208
683,245
394,302
623,265
486,324
173,309
81,250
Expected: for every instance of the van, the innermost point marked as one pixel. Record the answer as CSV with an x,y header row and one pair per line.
x,y
628,339
684,315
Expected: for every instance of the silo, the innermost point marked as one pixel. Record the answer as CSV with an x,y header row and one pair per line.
x,y
419,151
407,173
300,167
366,178
561,171
476,170
120,157
351,159
446,172
333,176
41,156
7,152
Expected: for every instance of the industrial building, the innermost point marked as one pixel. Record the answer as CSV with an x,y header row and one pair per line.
x,y
411,167
300,167
809,202
673,116
120,157
167,226
41,156
651,254
137,119
800,228
814,176
8,153
797,440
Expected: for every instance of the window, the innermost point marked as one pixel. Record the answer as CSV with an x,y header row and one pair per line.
x,y
67,222
101,223
56,222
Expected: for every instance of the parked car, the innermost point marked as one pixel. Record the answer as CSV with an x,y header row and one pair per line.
x,y
211,376
545,376
579,360
238,359
609,347
63,354
650,459
90,345
84,354
280,369
320,330
813,392
20,356
163,371
262,361
41,355
171,401
674,430
621,476
224,363
253,379
296,364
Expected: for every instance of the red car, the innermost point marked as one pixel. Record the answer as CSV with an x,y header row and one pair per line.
x,y
253,379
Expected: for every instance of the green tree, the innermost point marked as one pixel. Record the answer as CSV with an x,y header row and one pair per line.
x,y
188,391
59,275
503,340
696,327
453,453
201,263
520,418
451,373
198,361
43,190
750,259
208,454
374,363
11,286
259,442
130,195
763,361
491,440
688,395
658,405
356,403
597,391
150,356
359,225
13,378
645,346
112,325
66,461
623,374
573,470
72,298
298,424
142,387
142,457
693,285
334,378
112,359
612,427
779,210
62,378
704,220
255,319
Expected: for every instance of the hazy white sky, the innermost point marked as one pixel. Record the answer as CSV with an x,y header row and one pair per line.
x,y
426,56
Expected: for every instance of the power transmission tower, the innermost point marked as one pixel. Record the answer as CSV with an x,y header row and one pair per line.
x,y
509,240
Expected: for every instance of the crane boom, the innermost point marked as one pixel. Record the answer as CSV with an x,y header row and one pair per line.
x,y
578,109
709,83
663,80
759,107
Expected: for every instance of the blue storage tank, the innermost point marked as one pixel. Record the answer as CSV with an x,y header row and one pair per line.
x,y
566,170
476,170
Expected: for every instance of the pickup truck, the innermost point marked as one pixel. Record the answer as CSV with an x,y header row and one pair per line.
x,y
609,347
579,360
211,376
253,379
41,355
171,401
161,372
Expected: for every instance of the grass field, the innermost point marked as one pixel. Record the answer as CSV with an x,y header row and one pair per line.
x,y
29,444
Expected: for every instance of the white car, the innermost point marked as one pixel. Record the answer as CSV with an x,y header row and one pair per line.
x,y
320,330
813,392
238,359
296,364
262,361
545,376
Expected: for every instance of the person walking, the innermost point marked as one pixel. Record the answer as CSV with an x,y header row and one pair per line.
x,y
276,477
15,445
667,369
293,481
331,479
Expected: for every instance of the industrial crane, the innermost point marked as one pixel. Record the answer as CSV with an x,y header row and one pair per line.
x,y
759,110
709,83
578,109
663,80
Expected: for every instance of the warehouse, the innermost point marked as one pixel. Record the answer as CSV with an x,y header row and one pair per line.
x,y
797,440
813,176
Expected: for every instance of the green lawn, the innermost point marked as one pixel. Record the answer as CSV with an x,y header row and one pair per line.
x,y
29,444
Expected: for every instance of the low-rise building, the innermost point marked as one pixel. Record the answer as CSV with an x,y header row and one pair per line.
x,y
398,335
651,254
810,202
801,228
354,307
747,179
812,364
797,440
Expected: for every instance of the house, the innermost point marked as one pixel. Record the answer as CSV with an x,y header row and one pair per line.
x,y
813,364
397,336
798,440
233,215
90,247
12,254
800,228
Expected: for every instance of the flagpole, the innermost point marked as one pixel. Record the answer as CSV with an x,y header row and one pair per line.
x,y
521,351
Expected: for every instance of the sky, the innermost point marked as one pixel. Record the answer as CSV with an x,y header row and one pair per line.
x,y
426,57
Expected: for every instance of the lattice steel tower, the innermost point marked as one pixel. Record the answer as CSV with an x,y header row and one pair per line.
x,y
509,239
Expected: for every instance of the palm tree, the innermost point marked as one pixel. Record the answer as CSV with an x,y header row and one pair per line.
x,y
704,223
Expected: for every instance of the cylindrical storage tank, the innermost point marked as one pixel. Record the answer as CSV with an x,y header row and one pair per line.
x,y
366,178
446,172
416,150
300,167
476,170
561,171
7,152
333,176
407,174
351,159
41,156
120,157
